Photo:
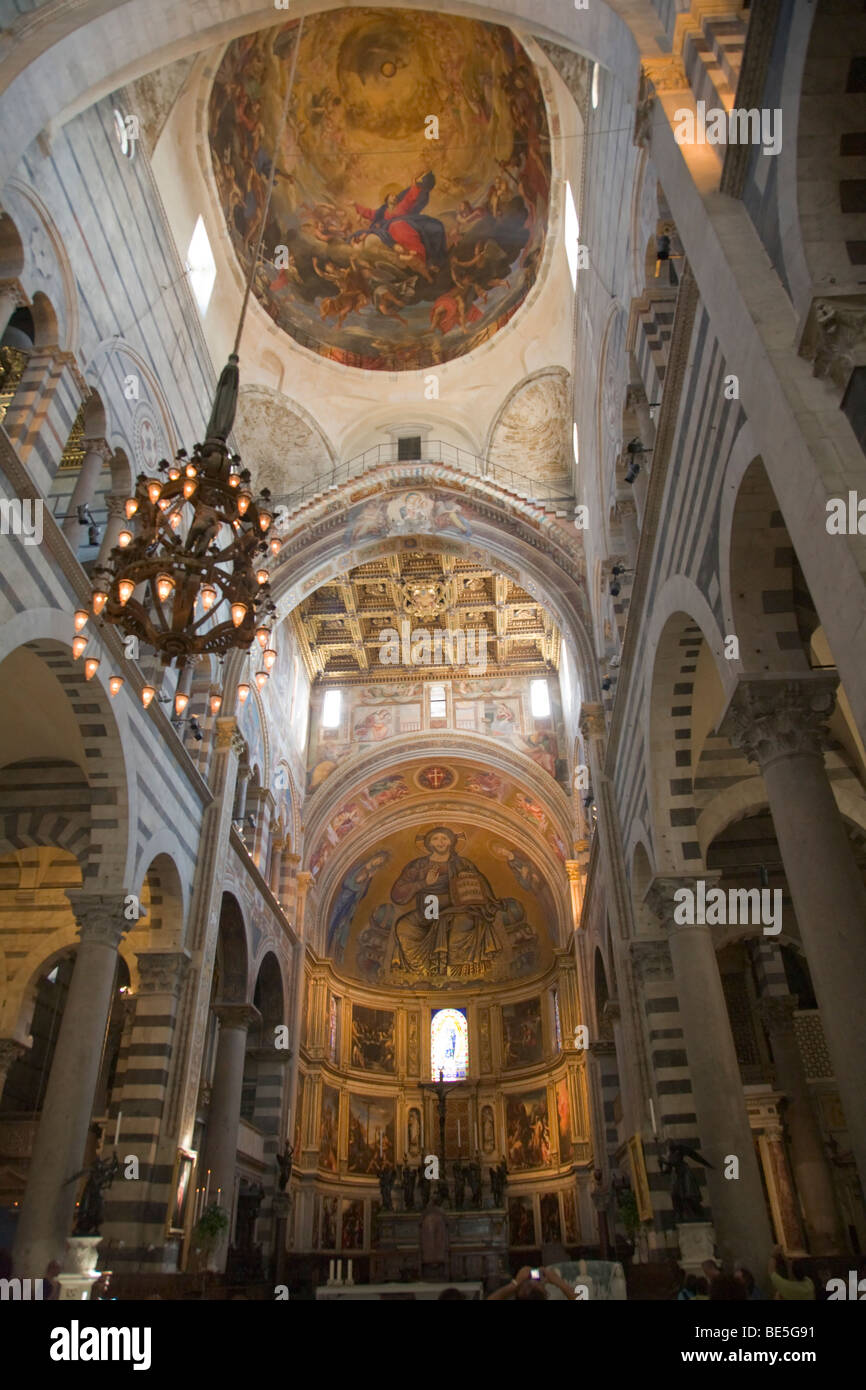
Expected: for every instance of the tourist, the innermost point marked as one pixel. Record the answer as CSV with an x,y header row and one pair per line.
x,y
747,1278
798,1287
526,1286
726,1288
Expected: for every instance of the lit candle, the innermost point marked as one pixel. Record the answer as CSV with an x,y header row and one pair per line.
x,y
219,1194
207,1187
117,1128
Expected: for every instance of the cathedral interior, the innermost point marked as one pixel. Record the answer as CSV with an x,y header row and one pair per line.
x,y
432,617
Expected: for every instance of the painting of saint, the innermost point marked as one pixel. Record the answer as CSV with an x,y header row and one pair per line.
x,y
488,1132
352,1236
329,1223
528,1136
329,1128
413,1132
522,1042
521,1221
353,888
387,789
371,1133
563,1115
551,1231
372,1039
375,726
461,936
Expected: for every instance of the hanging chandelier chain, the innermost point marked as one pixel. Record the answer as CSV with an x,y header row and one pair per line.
x,y
271,180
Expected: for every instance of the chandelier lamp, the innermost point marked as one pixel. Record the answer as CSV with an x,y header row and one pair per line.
x,y
189,575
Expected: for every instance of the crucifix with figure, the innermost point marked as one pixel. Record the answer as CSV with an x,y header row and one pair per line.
x,y
440,1090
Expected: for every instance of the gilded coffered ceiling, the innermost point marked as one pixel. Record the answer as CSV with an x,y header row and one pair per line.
x,y
340,627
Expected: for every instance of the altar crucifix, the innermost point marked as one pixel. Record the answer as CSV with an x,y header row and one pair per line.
x,y
440,1090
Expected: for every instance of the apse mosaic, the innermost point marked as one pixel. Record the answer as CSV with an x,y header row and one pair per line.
x,y
439,908
385,248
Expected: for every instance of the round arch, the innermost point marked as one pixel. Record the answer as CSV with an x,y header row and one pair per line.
x,y
359,522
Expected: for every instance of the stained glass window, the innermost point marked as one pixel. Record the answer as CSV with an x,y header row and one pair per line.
x,y
449,1044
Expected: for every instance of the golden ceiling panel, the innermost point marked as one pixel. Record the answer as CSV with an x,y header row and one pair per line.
x,y
339,627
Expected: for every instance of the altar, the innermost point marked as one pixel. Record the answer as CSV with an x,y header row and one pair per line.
x,y
424,1291
477,1245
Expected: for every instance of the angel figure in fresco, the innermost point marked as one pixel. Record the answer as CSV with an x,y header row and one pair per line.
x,y
458,933
352,890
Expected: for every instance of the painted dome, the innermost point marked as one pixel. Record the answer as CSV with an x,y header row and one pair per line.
x,y
410,204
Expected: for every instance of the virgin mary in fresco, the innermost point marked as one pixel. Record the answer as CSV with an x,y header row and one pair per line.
x,y
459,933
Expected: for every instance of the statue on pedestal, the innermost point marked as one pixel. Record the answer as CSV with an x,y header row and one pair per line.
x,y
459,1185
284,1163
685,1192
387,1176
498,1179
101,1174
475,1177
408,1177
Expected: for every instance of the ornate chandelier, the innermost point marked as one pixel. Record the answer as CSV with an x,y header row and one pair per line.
x,y
187,575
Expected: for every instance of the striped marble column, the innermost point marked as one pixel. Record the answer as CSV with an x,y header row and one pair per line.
x,y
42,412
136,1211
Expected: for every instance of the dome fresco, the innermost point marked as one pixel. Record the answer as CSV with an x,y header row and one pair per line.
x,y
385,248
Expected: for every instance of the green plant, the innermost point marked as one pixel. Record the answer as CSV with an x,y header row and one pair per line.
x,y
210,1226
628,1214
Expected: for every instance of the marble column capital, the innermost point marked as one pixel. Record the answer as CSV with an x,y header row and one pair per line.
x,y
14,292
162,972
651,960
305,878
280,1055
770,717
228,735
103,449
777,1012
661,897
115,503
100,917
576,870
237,1016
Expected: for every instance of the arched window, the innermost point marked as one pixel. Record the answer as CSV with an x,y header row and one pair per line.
x,y
449,1044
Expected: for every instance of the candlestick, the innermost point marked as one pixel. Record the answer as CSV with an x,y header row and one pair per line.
x,y
339,1271
458,1133
330,1271
349,1279
117,1128
219,1194
207,1187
